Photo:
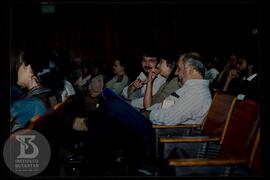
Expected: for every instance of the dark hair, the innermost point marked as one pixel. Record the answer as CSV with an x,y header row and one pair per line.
x,y
212,60
85,64
44,63
250,61
122,63
170,61
150,52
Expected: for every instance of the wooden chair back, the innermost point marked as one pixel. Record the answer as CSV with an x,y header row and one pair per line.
x,y
219,112
240,132
65,111
240,143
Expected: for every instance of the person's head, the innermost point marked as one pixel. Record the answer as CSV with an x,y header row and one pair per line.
x,y
242,63
252,66
85,67
95,68
39,66
77,61
232,60
149,62
189,66
211,63
118,67
166,66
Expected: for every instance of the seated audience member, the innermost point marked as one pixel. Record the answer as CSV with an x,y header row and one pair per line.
x,y
136,90
75,68
234,79
220,80
166,68
39,74
67,90
176,109
95,86
120,80
115,117
211,72
96,82
250,83
83,81
247,86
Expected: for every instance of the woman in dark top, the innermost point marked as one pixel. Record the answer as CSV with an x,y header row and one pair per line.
x,y
39,75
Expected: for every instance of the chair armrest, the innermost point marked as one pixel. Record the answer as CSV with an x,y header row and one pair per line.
x,y
58,106
187,139
33,121
176,126
207,162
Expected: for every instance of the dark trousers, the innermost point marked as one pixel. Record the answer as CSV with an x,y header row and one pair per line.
x,y
116,123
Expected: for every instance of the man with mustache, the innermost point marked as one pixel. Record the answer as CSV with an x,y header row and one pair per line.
x,y
116,122
136,90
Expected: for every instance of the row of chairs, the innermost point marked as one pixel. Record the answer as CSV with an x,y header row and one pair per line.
x,y
53,125
219,112
229,136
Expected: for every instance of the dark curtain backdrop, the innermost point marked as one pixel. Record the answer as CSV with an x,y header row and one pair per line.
x,y
106,31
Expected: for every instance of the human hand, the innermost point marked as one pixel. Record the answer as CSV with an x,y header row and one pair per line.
x,y
227,67
152,75
138,83
234,73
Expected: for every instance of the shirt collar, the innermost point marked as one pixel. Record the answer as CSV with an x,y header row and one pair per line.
x,y
197,81
252,77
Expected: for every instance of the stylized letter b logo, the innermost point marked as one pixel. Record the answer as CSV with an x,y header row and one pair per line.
x,y
24,146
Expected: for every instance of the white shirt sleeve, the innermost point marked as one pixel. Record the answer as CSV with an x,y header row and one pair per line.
x,y
137,103
158,82
68,90
125,90
190,107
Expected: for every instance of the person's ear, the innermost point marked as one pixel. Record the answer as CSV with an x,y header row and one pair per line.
x,y
191,70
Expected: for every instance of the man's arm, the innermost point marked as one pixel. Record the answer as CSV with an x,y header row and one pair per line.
x,y
184,108
137,84
131,89
232,75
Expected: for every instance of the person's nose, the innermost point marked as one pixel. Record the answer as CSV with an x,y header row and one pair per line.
x,y
147,63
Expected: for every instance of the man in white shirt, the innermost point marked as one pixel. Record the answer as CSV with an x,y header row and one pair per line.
x,y
211,72
135,91
189,104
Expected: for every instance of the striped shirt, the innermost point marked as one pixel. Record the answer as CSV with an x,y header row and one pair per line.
x,y
188,105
